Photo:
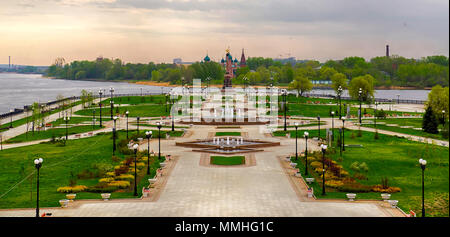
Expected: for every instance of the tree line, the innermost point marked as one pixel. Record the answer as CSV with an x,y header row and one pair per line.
x,y
385,71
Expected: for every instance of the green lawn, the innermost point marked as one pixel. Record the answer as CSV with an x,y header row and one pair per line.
x,y
78,120
228,134
300,133
414,122
397,159
59,161
312,110
409,131
135,100
49,133
22,121
134,111
154,126
227,160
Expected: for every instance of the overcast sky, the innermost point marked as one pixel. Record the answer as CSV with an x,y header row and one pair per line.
x,y
35,32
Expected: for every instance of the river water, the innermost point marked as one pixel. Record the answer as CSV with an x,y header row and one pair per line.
x,y
17,90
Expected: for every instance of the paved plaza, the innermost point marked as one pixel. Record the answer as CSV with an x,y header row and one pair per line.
x,y
193,190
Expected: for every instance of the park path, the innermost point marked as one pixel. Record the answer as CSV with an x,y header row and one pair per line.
x,y
355,126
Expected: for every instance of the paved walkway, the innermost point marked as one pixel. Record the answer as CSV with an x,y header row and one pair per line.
x,y
194,190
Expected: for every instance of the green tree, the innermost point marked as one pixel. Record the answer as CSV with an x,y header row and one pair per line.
x,y
438,100
301,84
365,83
429,122
156,76
339,80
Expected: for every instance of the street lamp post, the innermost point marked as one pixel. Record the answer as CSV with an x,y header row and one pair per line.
x,y
324,149
443,118
284,93
148,135
93,119
423,164
375,115
173,119
126,114
343,133
165,97
112,107
340,145
100,104
306,152
10,124
138,118
135,148
111,102
158,124
296,153
38,165
332,125
114,134
66,119
318,123
360,103
339,96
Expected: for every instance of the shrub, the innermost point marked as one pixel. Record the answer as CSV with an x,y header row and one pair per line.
x,y
316,164
127,177
86,174
430,122
363,167
102,188
334,183
355,166
74,189
106,180
360,176
119,184
115,159
121,170
379,188
355,187
110,174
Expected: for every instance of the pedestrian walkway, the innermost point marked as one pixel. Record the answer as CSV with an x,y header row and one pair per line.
x,y
195,190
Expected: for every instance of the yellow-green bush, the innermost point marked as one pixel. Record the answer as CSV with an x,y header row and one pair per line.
x,y
119,184
334,183
106,180
74,189
316,164
110,174
128,177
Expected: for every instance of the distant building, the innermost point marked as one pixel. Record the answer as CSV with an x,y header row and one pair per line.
x,y
177,61
290,60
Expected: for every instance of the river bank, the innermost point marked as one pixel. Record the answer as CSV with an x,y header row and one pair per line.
x,y
167,84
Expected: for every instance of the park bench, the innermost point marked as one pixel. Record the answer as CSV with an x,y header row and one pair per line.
x,y
351,196
354,146
309,180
